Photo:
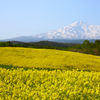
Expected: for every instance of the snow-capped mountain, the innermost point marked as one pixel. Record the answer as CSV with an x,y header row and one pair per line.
x,y
73,33
77,30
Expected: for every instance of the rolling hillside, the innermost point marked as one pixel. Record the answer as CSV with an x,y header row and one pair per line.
x,y
23,75
48,58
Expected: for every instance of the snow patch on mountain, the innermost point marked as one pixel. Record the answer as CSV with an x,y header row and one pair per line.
x,y
77,30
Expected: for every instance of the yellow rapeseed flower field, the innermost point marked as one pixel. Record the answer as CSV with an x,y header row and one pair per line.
x,y
33,84
48,58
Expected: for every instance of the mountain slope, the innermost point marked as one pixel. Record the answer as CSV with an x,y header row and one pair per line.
x,y
77,30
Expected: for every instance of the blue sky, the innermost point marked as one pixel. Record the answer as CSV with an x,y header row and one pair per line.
x,y
29,17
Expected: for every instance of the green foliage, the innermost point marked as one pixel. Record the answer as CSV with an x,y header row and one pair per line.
x,y
97,44
6,44
87,46
2,44
9,44
41,44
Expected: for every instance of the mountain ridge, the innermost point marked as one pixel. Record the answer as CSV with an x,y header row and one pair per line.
x,y
77,30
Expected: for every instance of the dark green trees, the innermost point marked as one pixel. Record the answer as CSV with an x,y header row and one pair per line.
x,y
6,44
9,44
86,46
97,44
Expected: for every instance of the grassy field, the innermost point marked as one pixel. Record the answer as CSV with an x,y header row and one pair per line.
x,y
48,58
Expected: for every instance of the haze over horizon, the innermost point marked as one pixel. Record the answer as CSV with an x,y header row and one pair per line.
x,y
26,18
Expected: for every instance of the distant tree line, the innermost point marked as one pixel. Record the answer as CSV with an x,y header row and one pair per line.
x,y
87,46
40,44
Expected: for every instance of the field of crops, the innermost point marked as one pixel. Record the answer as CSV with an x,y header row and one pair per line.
x,y
59,75
48,58
33,84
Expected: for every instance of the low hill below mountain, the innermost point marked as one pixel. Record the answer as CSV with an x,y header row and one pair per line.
x,y
48,58
44,44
